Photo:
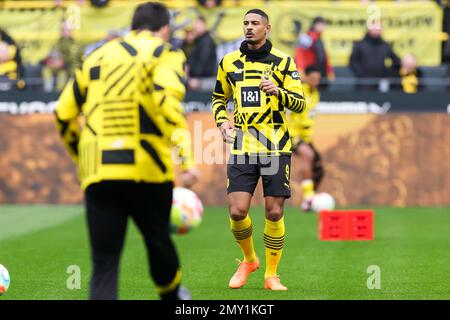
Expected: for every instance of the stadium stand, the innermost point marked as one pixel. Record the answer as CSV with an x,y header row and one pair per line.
x,y
434,78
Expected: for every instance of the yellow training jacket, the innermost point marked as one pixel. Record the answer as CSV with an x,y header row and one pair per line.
x,y
130,92
260,119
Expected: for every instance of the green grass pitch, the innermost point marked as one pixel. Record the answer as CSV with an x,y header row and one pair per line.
x,y
411,247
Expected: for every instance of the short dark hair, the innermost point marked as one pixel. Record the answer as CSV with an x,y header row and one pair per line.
x,y
201,18
317,20
203,2
259,12
150,15
311,68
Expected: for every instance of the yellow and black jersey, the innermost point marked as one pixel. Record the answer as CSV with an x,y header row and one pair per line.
x,y
410,80
260,119
301,125
12,66
130,92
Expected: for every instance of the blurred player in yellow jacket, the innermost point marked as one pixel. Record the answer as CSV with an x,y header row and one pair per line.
x,y
301,127
130,92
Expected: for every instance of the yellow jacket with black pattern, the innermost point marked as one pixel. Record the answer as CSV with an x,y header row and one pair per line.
x,y
130,92
260,119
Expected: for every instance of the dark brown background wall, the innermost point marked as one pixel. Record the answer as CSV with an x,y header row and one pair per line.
x,y
393,159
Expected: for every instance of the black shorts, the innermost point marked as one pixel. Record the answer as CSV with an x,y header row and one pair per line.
x,y
243,173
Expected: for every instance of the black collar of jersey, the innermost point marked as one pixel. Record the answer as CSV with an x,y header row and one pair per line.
x,y
257,54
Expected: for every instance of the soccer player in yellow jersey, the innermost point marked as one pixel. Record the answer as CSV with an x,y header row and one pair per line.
x,y
129,92
263,82
301,129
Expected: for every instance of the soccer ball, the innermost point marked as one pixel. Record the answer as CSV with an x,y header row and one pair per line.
x,y
322,201
187,211
4,280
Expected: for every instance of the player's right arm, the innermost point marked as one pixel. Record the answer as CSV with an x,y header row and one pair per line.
x,y
221,94
67,111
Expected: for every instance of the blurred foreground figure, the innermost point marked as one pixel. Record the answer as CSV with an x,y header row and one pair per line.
x,y
130,92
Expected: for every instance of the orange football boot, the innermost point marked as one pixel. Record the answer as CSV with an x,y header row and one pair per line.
x,y
240,277
273,283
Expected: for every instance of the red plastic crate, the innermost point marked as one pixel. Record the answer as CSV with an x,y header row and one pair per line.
x,y
339,225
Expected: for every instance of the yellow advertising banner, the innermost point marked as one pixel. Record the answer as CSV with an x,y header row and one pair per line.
x,y
34,30
37,30
412,27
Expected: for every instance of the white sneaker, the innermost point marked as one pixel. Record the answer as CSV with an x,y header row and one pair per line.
x,y
183,293
307,205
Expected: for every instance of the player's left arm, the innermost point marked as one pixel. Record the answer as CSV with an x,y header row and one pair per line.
x,y
169,82
68,109
291,93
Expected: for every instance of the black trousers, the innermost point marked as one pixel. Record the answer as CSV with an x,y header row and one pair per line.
x,y
108,206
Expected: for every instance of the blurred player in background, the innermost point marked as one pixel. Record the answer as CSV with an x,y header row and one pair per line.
x,y
11,66
301,130
63,59
264,82
130,92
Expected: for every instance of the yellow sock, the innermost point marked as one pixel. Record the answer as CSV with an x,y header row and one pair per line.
x,y
242,231
273,242
308,189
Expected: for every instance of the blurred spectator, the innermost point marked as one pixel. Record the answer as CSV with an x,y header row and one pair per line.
x,y
225,47
11,67
201,53
59,3
209,4
372,57
311,50
446,53
410,74
99,3
63,59
112,34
